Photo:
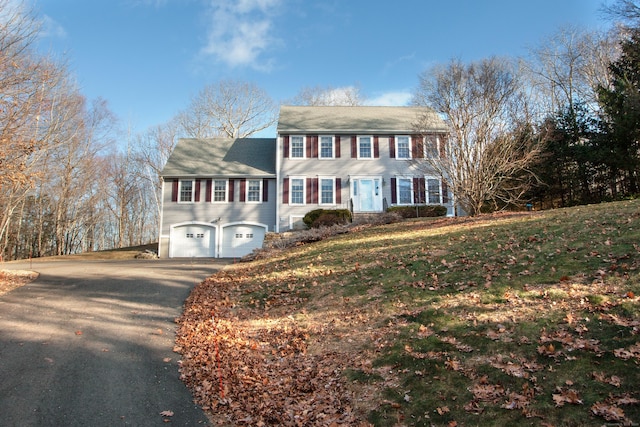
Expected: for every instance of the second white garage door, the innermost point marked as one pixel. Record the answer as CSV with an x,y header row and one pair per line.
x,y
239,240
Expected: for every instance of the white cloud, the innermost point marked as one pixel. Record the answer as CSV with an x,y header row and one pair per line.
x,y
241,31
51,28
393,99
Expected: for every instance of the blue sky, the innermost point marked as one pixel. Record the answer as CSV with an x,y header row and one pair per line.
x,y
147,58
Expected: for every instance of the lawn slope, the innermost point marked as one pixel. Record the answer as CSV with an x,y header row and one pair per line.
x,y
512,319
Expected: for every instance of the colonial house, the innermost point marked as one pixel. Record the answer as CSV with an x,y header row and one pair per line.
x,y
221,196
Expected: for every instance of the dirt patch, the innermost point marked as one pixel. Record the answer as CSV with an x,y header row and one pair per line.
x,y
12,279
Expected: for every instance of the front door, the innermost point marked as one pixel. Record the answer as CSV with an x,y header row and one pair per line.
x,y
367,196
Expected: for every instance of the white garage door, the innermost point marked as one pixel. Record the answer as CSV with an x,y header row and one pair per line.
x,y
241,239
193,240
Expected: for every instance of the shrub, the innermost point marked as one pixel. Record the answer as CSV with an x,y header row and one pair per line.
x,y
326,217
419,211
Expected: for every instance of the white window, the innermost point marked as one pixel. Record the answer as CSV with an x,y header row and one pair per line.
x,y
296,191
187,193
296,144
403,147
220,190
326,147
254,190
405,191
434,190
327,191
432,147
365,147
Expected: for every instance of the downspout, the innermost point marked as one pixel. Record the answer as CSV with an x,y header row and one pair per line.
x,y
161,217
278,186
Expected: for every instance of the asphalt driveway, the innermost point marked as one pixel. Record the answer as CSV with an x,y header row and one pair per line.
x,y
89,343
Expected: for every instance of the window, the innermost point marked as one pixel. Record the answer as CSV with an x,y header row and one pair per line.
x,y
403,147
296,193
327,186
297,147
433,191
254,190
405,191
220,190
326,147
186,191
431,147
365,147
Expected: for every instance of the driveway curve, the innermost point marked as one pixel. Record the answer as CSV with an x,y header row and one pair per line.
x,y
89,343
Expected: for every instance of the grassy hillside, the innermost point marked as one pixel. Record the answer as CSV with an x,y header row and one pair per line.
x,y
526,319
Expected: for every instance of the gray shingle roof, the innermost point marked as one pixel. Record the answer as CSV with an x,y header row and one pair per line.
x,y
222,157
354,119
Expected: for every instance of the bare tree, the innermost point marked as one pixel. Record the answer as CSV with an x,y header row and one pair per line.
x,y
231,109
487,156
340,96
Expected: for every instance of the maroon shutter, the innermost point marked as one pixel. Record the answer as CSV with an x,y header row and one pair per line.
x,y
265,190
337,139
197,195
243,190
209,188
174,190
285,145
394,196
232,188
309,152
445,192
285,190
392,147
419,190
443,148
338,191
312,190
376,147
354,147
417,147
312,146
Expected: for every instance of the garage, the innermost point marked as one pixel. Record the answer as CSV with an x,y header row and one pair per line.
x,y
241,239
192,240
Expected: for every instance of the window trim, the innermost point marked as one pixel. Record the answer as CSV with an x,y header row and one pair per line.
x,y
397,147
304,146
304,190
360,137
246,198
411,190
333,190
333,147
193,191
226,191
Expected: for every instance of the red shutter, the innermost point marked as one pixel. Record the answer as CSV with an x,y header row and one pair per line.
x,y
232,188
419,194
309,151
197,195
392,147
445,192
243,190
285,146
312,146
354,147
265,190
285,190
376,147
443,146
417,147
337,139
209,187
312,190
394,196
338,191
174,190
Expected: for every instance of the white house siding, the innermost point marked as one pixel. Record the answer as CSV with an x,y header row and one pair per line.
x,y
218,214
382,170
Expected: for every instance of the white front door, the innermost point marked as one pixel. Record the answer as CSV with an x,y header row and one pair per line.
x,y
367,195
